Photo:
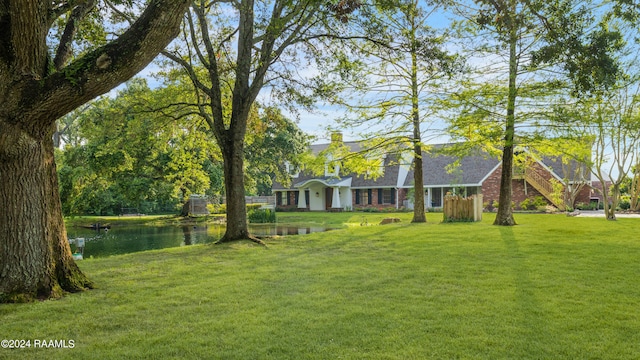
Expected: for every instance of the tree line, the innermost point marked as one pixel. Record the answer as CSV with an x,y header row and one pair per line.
x,y
134,153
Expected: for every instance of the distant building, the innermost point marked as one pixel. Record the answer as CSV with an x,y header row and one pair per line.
x,y
477,173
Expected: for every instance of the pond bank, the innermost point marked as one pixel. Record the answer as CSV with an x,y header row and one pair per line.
x,y
107,236
154,220
319,218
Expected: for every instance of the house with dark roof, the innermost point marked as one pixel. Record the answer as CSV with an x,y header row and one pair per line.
x,y
475,173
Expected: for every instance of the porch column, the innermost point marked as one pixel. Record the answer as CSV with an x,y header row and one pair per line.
x,y
335,202
302,199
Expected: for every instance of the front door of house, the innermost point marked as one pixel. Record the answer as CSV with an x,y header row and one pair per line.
x,y
328,198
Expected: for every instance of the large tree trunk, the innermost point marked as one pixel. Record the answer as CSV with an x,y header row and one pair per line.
x,y
505,211
35,258
233,156
635,189
611,200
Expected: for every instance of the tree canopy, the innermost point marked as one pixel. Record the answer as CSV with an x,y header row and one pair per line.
x,y
141,150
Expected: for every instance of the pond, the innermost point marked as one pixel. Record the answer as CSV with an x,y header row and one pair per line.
x,y
128,239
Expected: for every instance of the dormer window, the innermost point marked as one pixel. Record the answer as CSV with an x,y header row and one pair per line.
x,y
384,158
381,162
331,168
292,170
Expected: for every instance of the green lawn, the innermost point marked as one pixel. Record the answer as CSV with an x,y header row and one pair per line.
x,y
553,287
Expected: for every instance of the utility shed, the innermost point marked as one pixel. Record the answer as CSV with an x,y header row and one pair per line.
x,y
197,205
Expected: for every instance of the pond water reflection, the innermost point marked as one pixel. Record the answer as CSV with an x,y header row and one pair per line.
x,y
128,239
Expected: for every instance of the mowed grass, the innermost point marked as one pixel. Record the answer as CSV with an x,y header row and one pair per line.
x,y
553,287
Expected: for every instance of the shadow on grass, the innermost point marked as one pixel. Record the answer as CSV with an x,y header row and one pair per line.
x,y
528,315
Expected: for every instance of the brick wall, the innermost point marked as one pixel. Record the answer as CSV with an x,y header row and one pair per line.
x,y
585,194
491,186
374,200
402,196
598,185
520,190
280,200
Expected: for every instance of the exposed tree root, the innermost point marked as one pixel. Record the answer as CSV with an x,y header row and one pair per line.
x,y
255,239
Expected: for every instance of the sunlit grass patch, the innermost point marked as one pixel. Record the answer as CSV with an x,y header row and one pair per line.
x,y
551,287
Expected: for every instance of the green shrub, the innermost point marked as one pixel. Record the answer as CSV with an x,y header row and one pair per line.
x,y
495,204
253,206
261,216
533,203
286,209
583,206
624,203
389,209
217,208
527,204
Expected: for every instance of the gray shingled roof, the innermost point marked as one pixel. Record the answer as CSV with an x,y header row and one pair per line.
x,y
327,180
555,164
472,170
354,146
389,177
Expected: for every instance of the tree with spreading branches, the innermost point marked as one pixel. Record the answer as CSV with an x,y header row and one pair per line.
x,y
36,89
398,71
540,45
269,38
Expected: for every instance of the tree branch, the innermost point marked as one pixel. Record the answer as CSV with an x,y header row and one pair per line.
x,y
104,68
64,47
216,121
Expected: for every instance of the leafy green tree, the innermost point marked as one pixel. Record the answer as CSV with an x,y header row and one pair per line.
x,y
400,68
144,150
603,69
273,139
266,35
35,91
538,40
612,119
67,128
144,159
